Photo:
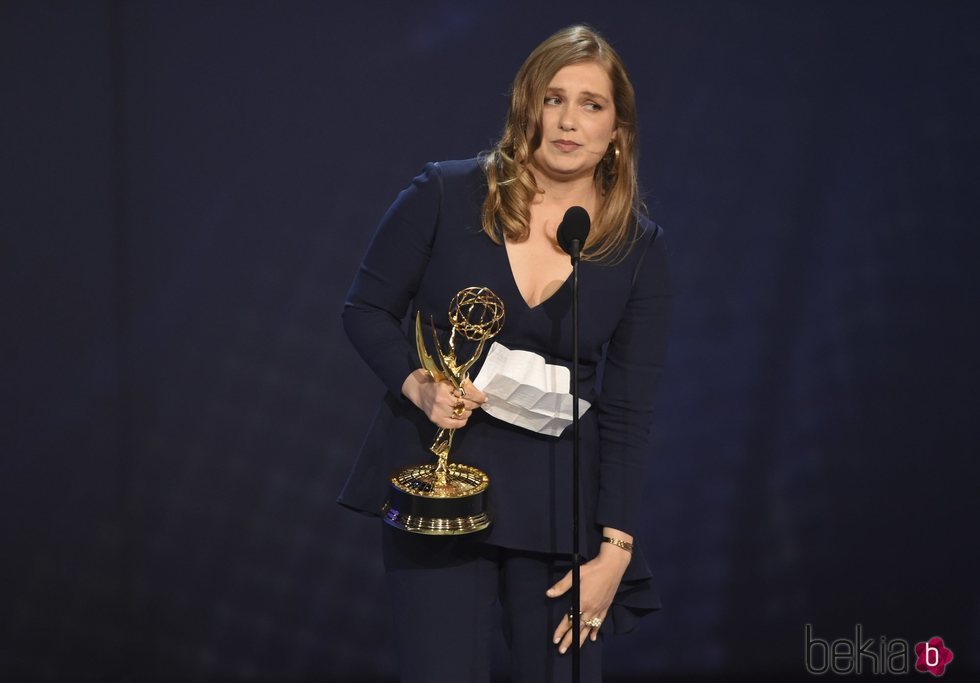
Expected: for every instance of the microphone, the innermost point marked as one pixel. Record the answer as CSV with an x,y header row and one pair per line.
x,y
573,230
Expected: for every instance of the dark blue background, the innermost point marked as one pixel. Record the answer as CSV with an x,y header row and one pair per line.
x,y
187,190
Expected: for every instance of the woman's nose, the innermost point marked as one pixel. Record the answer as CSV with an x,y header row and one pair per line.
x,y
566,121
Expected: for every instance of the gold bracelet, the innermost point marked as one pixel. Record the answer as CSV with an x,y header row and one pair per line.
x,y
625,545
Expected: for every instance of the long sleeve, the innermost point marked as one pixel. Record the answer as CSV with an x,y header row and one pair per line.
x,y
634,360
388,279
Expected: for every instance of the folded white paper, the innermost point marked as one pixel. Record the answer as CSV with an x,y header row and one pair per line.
x,y
525,391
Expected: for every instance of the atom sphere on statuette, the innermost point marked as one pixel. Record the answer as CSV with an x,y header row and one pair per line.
x,y
477,313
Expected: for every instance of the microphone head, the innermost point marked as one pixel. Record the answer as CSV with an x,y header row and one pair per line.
x,y
574,226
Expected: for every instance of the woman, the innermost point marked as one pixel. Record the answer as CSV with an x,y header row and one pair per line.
x,y
569,140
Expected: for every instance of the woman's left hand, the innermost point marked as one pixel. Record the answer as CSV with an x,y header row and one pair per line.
x,y
600,580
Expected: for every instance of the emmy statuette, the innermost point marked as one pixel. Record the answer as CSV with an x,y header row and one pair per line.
x,y
447,498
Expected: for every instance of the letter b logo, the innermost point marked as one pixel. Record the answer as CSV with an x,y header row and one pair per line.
x,y
932,655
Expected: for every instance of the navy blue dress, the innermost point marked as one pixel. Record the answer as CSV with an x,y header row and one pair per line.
x,y
429,245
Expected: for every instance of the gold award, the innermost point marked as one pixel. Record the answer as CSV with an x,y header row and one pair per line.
x,y
444,498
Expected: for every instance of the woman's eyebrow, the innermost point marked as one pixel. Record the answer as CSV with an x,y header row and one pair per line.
x,y
586,93
595,95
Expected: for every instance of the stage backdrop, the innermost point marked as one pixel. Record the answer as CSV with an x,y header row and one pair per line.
x,y
188,188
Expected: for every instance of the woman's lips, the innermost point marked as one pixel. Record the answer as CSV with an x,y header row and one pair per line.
x,y
566,145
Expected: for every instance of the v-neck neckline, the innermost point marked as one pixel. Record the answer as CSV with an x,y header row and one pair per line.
x,y
517,288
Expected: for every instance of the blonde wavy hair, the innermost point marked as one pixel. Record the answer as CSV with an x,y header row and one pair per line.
x,y
510,184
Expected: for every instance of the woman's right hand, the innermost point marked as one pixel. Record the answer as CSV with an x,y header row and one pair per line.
x,y
438,400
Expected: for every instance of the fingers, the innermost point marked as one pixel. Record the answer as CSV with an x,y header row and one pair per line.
x,y
563,633
451,418
598,590
473,393
590,630
473,397
449,409
562,636
566,639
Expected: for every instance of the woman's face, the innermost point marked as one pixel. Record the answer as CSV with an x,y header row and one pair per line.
x,y
578,121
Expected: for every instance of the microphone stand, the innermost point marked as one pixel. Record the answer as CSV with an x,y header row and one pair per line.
x,y
576,557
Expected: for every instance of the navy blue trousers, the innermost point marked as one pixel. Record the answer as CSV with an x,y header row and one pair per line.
x,y
444,591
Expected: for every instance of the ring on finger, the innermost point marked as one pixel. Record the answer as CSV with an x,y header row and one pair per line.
x,y
459,409
594,622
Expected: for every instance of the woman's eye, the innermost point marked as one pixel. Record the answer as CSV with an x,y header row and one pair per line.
x,y
592,106
552,100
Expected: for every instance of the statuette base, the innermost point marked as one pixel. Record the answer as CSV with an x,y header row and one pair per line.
x,y
423,502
